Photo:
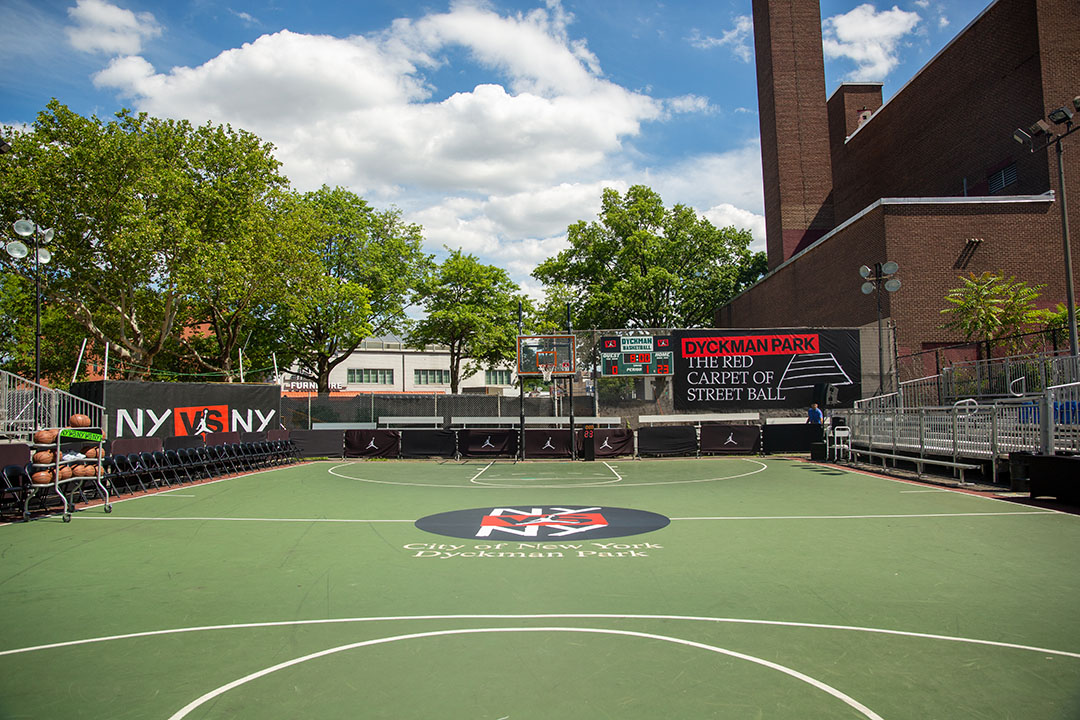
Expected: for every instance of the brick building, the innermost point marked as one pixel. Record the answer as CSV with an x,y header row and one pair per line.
x,y
932,179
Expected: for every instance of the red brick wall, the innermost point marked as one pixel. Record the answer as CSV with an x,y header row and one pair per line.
x,y
794,125
953,122
822,286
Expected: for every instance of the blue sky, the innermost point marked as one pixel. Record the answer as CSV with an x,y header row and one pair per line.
x,y
492,124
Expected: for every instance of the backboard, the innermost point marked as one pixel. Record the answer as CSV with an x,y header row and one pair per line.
x,y
533,349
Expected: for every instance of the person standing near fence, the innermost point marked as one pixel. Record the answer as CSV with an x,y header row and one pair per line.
x,y
814,416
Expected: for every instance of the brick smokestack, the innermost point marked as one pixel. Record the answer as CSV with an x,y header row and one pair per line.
x,y
795,153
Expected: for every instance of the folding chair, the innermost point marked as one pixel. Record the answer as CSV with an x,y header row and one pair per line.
x,y
16,483
841,442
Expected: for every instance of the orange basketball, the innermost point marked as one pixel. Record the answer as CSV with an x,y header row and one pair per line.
x,y
90,451
44,457
43,477
79,420
66,471
46,437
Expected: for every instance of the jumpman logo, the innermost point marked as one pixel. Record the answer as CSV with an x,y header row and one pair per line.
x,y
488,443
371,445
201,428
730,439
548,445
605,445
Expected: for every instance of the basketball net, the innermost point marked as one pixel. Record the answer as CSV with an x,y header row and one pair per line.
x,y
547,370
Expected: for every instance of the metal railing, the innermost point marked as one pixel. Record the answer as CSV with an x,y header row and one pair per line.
x,y
1046,424
26,406
1008,377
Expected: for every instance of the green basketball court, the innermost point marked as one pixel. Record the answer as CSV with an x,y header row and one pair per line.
x,y
778,589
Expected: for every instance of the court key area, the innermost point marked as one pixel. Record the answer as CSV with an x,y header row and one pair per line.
x,y
632,589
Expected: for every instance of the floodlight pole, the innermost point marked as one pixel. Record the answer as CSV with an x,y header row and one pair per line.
x,y
880,332
1070,296
521,391
570,384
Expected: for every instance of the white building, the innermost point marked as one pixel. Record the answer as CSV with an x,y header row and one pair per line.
x,y
387,365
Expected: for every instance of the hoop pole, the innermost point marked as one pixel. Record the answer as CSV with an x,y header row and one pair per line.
x,y
521,393
570,384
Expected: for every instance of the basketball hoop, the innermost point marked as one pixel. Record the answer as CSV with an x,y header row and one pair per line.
x,y
547,370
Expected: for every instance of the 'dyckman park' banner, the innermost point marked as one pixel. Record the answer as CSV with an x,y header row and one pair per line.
x,y
775,368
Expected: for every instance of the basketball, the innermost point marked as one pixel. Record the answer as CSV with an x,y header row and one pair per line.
x,y
79,420
90,451
44,457
46,437
66,471
44,477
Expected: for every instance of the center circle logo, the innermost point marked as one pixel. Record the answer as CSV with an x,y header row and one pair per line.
x,y
545,521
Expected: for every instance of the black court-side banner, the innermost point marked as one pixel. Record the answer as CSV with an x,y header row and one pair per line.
x,y
775,368
318,443
547,443
667,440
730,439
148,409
372,443
428,443
611,442
483,443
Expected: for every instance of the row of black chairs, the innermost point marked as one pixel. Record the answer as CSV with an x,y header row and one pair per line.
x,y
147,470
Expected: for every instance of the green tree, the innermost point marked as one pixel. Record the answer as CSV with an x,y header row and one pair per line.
x,y
114,193
361,268
241,260
990,307
642,265
472,309
161,228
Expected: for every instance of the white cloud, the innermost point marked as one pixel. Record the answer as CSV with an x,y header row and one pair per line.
x,y
869,38
105,28
737,38
499,170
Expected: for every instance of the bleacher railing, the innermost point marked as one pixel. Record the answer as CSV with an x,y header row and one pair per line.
x,y
1047,423
27,406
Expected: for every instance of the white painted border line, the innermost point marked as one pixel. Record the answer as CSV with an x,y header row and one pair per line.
x,y
236,519
558,616
866,517
217,692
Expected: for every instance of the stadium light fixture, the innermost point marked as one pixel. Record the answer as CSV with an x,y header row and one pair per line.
x,y
5,146
1063,116
882,275
18,250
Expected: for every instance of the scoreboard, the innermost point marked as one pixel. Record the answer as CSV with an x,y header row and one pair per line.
x,y
635,356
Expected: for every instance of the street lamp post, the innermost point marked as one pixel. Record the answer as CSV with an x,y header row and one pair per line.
x,y
878,277
1042,130
18,250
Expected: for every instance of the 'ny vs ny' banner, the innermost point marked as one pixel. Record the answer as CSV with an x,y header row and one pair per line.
x,y
728,369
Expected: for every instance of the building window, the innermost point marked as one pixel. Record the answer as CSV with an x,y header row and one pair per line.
x,y
431,377
497,377
1002,178
370,376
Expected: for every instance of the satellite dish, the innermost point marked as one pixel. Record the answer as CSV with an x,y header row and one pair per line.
x,y
43,255
889,268
24,228
867,288
892,284
17,249
864,272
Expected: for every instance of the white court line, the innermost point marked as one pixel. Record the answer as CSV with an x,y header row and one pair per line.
x,y
482,471
238,519
717,518
866,517
916,492
616,474
817,684
762,467
559,616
